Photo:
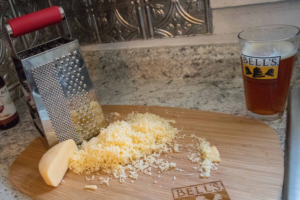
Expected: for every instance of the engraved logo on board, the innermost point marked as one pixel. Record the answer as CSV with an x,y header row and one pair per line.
x,y
206,191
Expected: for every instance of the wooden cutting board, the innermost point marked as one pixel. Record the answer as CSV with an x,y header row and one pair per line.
x,y
251,166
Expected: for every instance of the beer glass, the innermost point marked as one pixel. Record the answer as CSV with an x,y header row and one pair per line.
x,y
268,55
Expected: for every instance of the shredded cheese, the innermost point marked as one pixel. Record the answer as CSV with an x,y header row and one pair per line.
x,y
90,179
180,170
205,150
133,144
92,187
115,114
176,147
104,181
133,175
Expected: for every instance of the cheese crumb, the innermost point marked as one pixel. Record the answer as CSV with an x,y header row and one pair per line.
x,y
115,114
214,154
180,170
172,165
104,181
133,175
174,177
155,182
92,187
176,148
90,179
62,181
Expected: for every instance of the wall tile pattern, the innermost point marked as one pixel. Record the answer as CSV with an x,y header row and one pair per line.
x,y
105,21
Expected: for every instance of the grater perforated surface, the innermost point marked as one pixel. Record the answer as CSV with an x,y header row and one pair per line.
x,y
63,92
62,100
80,94
48,84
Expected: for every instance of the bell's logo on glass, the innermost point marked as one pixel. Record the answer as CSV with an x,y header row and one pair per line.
x,y
261,67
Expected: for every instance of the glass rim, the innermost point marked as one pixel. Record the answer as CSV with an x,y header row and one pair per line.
x,y
249,40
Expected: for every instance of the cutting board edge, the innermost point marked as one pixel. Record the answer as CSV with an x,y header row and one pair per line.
x,y
38,139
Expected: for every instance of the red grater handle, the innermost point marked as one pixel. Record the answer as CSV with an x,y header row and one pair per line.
x,y
35,21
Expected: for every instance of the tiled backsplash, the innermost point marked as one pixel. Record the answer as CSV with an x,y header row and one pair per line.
x,y
207,62
105,21
100,21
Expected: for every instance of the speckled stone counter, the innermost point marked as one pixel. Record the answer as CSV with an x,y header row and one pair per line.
x,y
217,96
213,62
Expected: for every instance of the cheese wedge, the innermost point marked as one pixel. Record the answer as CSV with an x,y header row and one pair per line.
x,y
55,162
214,154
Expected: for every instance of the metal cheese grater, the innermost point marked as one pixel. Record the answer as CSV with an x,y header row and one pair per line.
x,y
55,80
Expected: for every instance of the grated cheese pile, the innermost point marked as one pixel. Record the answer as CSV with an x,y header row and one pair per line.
x,y
132,144
135,145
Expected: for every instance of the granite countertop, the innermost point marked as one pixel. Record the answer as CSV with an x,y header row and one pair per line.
x,y
216,96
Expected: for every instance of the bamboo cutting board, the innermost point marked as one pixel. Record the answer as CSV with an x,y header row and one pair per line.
x,y
251,166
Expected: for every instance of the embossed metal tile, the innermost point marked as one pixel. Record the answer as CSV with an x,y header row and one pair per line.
x,y
176,18
106,21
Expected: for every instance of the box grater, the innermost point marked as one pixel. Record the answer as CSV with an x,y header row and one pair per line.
x,y
55,81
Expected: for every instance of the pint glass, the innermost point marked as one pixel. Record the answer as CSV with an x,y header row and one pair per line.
x,y
268,55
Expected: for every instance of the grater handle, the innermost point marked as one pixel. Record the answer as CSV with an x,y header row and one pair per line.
x,y
35,21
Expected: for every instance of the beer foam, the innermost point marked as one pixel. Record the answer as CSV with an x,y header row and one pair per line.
x,y
269,49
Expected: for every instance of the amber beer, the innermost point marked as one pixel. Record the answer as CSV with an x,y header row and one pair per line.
x,y
268,55
266,93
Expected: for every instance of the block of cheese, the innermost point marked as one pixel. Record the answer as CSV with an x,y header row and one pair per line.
x,y
55,162
214,154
